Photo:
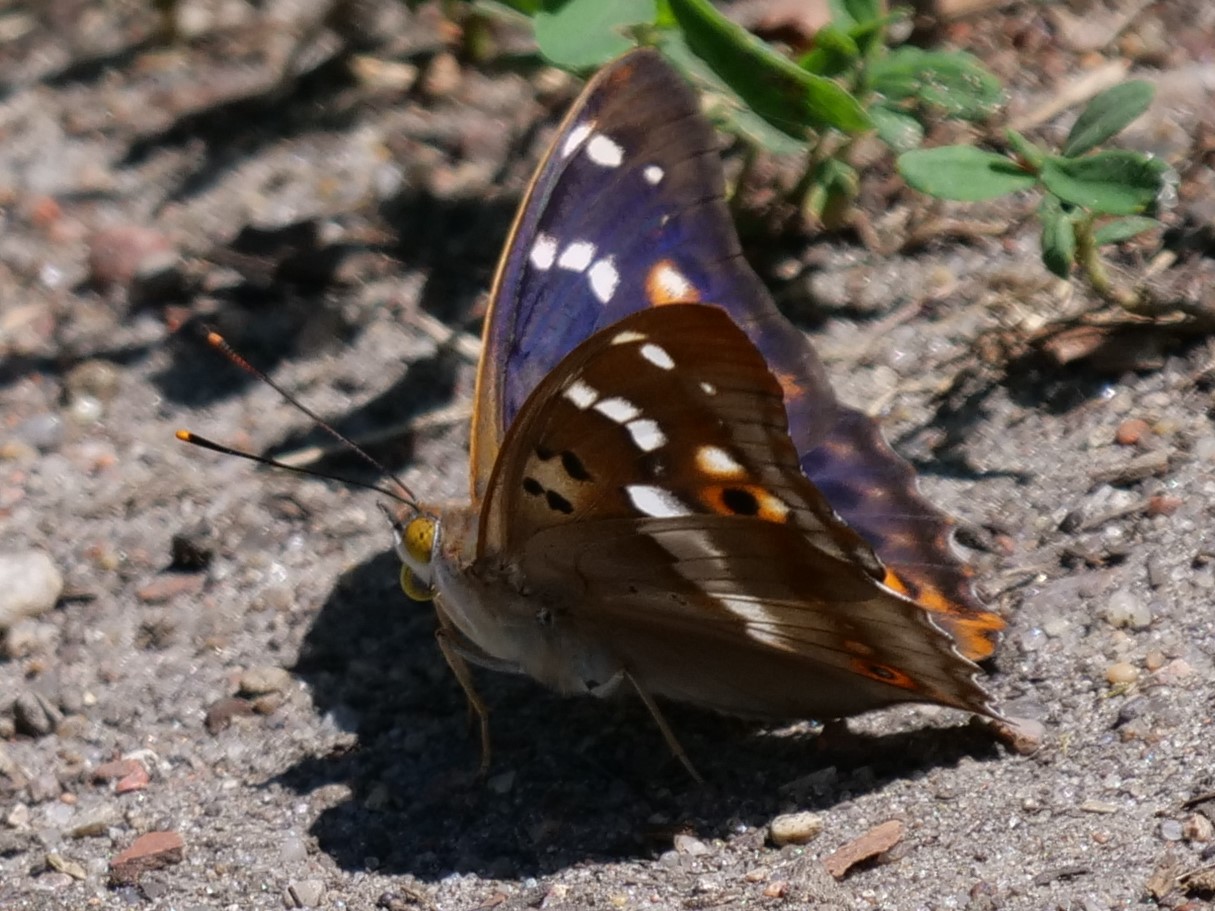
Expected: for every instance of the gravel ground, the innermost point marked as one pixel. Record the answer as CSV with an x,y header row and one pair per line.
x,y
216,659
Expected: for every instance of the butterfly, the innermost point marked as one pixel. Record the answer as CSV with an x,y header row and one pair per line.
x,y
666,496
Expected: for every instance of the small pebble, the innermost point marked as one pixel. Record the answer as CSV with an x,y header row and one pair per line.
x,y
795,828
120,255
221,712
42,431
1121,672
136,780
116,769
293,849
29,585
442,76
97,822
29,637
1175,671
1170,830
65,865
305,893
257,681
1204,448
34,714
1131,431
1197,828
777,889
690,845
85,409
43,787
1163,505
1125,609
95,378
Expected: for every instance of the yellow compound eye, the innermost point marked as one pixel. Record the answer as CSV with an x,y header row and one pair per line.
x,y
418,539
413,587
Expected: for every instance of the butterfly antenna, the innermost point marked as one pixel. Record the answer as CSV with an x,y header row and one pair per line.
x,y
403,494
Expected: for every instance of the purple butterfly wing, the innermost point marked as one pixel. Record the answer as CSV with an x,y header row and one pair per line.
x,y
626,212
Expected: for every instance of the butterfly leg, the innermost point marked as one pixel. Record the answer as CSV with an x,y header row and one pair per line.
x,y
667,734
459,667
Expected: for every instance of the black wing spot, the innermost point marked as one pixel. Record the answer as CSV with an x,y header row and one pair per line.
x,y
573,466
740,502
653,464
544,454
532,486
558,502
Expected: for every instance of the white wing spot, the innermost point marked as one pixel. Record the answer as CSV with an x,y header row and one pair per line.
x,y
708,389
646,435
760,623
582,395
577,256
619,410
544,251
657,356
577,135
714,460
627,337
604,279
653,174
656,501
604,151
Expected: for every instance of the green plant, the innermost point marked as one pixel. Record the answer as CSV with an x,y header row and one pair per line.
x,y
853,82
1090,198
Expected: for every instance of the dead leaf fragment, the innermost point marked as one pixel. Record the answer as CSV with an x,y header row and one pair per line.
x,y
1164,878
876,841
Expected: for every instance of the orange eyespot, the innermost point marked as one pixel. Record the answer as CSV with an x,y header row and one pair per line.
x,y
746,500
884,673
790,385
665,284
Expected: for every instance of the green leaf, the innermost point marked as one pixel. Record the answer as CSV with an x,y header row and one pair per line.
x,y
834,52
953,81
1107,115
580,34
775,88
1109,183
725,108
897,129
1032,154
526,8
1120,229
963,173
1058,237
849,13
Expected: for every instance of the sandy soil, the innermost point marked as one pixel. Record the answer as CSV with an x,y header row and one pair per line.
x,y
231,661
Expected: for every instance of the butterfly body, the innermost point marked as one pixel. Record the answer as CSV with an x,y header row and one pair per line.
x,y
665,493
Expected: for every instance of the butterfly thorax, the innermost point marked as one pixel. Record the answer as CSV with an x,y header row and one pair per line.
x,y
501,621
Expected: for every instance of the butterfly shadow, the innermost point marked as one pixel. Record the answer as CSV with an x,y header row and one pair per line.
x,y
571,780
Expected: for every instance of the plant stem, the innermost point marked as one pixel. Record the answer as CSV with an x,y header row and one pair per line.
x,y
1093,267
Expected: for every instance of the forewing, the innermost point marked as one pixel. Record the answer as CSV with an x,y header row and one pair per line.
x,y
626,212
